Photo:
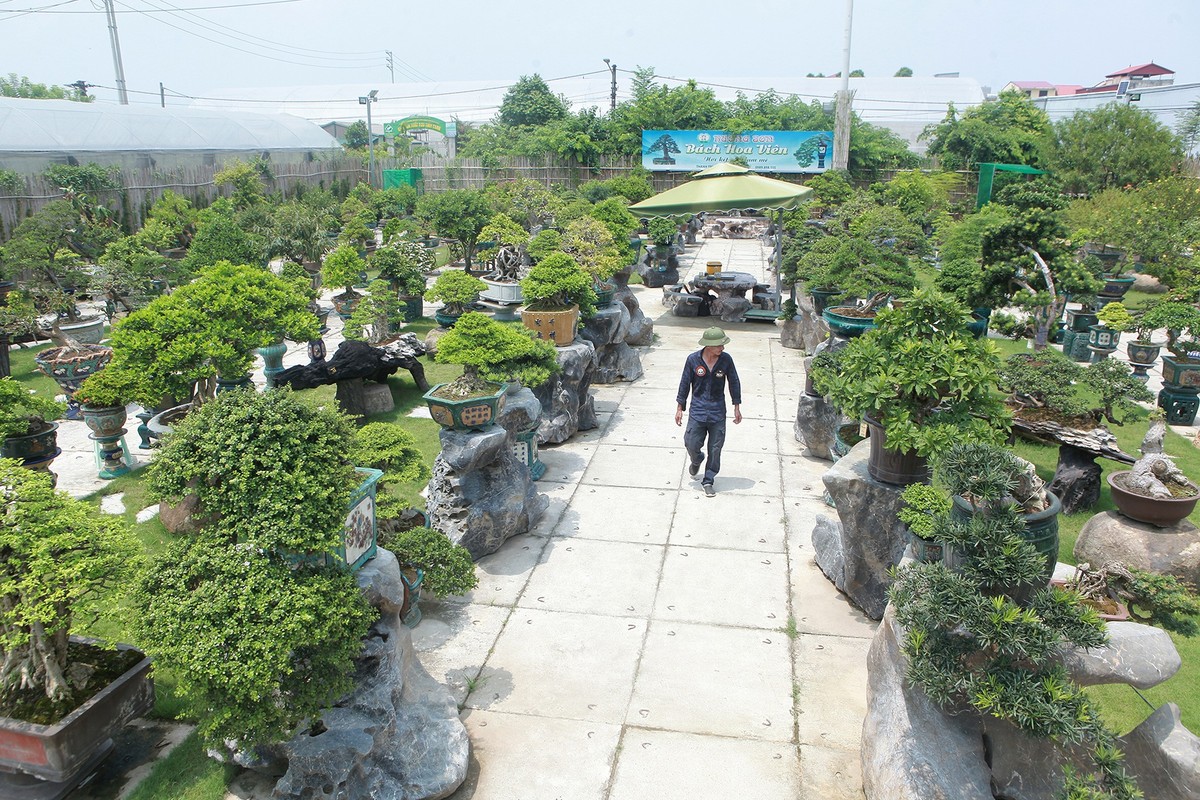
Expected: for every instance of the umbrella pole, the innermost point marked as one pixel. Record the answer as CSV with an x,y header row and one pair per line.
x,y
778,257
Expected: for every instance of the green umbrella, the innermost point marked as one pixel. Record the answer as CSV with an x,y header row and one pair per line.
x,y
723,187
727,187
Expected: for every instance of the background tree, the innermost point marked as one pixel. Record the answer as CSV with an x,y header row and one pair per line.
x,y
457,213
14,86
529,101
1188,127
356,137
1007,130
903,72
1115,145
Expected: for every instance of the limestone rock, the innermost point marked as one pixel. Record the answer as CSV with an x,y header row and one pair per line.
x,y
1164,755
640,332
872,538
431,340
813,329
827,548
481,493
791,333
1109,537
1026,767
398,735
521,411
1139,655
615,359
1144,282
911,750
816,426
567,406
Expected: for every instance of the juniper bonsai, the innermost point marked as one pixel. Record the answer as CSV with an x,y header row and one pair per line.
x,y
493,352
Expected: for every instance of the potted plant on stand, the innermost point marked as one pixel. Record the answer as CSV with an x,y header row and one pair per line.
x,y
343,267
663,231
456,290
508,241
1154,490
1142,349
103,397
1181,371
557,292
920,381
429,561
404,264
589,242
27,426
1114,319
62,697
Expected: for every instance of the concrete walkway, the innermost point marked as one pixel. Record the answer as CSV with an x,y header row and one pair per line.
x,y
646,641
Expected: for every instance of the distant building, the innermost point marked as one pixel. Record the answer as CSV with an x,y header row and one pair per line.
x,y
1131,78
1036,89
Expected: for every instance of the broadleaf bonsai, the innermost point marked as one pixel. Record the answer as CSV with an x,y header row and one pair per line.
x,y
491,351
448,567
1182,323
342,268
455,289
23,412
557,282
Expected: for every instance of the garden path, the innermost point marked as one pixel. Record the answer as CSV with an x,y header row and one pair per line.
x,y
646,641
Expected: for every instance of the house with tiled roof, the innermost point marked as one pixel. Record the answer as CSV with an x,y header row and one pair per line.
x,y
1142,76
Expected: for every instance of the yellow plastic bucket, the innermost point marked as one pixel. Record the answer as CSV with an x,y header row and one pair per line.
x,y
713,267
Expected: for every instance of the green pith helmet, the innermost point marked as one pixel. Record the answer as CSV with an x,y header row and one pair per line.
x,y
713,337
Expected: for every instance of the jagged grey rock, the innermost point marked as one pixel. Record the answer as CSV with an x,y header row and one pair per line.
x,y
431,340
1026,767
481,493
521,410
1164,755
398,735
1109,537
816,425
827,548
567,405
615,359
1136,654
872,538
641,328
911,750
813,329
791,333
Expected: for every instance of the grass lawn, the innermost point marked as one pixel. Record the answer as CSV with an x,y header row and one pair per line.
x,y
1122,707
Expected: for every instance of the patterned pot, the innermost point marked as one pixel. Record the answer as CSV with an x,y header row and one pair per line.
x,y
556,326
472,413
104,421
68,369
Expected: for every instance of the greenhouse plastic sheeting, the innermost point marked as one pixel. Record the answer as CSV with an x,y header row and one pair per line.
x,y
66,126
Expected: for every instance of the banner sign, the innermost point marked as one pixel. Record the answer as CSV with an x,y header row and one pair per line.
x,y
762,151
415,123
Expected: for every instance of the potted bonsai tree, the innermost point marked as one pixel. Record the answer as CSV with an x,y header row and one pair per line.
x,y
491,354
590,243
27,425
256,608
404,264
430,561
103,397
921,382
1114,320
1181,369
858,268
508,241
456,289
1154,490
376,316
343,267
557,292
922,503
985,636
662,231
61,697
1142,349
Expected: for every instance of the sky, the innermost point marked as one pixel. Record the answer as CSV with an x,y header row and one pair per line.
x,y
197,47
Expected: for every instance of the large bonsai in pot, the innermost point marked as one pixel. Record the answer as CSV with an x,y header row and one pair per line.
x,y
455,289
984,637
343,267
27,427
557,292
62,562
253,611
921,381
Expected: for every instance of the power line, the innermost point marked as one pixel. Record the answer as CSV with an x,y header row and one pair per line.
x,y
46,9
43,10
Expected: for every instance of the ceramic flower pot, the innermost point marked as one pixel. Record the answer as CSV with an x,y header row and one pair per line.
x,y
1157,511
469,413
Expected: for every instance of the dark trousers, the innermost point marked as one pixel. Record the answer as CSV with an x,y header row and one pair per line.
x,y
694,437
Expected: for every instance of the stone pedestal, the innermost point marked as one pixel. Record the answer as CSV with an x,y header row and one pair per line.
x,y
856,550
640,332
481,493
816,426
1109,537
567,406
398,734
615,359
812,327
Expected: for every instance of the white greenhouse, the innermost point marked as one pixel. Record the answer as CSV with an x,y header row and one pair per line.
x,y
37,133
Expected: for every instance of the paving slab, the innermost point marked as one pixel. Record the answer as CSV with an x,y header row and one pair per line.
x,y
668,765
830,773
645,467
737,522
714,680
617,579
723,587
831,672
503,574
619,514
453,641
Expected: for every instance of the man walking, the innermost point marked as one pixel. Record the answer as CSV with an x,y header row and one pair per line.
x,y
704,375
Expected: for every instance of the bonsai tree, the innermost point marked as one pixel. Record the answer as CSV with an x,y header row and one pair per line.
x,y
404,264
662,231
61,561
260,630
1152,599
342,268
985,636
613,212
590,243
107,389
921,375
390,448
1182,323
448,567
1116,316
23,412
858,268
458,213
178,344
1050,383
556,283
376,316
543,244
493,351
508,242
299,233
456,290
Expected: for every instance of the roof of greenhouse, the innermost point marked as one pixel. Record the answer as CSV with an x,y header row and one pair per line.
x,y
66,126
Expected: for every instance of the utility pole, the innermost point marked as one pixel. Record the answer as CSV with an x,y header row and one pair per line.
x,y
613,69
162,95
81,86
122,95
369,98
841,126
391,65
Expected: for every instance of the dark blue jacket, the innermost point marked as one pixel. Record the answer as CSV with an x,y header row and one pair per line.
x,y
707,387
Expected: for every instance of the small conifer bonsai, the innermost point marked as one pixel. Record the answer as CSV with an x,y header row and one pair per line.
x,y
556,283
492,352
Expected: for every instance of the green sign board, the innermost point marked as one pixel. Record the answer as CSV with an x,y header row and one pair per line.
x,y
414,123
